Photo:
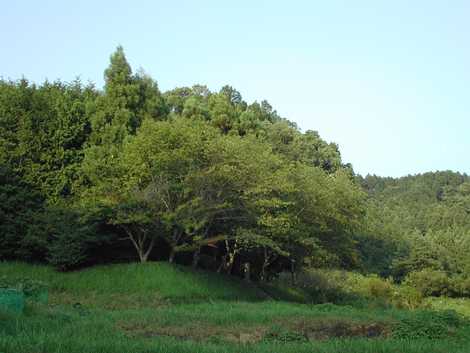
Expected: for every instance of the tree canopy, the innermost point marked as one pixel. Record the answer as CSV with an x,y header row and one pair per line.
x,y
208,179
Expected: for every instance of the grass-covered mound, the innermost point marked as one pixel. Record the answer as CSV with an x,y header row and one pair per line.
x,y
134,285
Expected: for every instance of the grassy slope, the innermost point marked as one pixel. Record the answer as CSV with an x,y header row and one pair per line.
x,y
134,285
161,308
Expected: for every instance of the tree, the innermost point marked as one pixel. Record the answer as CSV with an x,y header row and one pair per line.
x,y
20,207
42,133
134,213
149,197
127,101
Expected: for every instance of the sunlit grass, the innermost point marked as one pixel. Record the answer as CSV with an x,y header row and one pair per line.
x,y
134,285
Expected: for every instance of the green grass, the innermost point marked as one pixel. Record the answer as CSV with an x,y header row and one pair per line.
x,y
134,285
157,307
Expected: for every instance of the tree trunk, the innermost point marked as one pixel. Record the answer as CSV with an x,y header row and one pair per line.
x,y
223,264
174,243
231,261
146,254
246,268
231,256
139,241
263,273
172,256
265,265
293,273
196,257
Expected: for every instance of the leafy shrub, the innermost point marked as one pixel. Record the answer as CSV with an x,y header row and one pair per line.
x,y
342,287
430,282
390,294
311,286
362,290
406,297
72,234
21,207
319,287
378,288
460,286
279,291
428,324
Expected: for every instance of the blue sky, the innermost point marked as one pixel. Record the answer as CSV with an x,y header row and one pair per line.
x,y
386,80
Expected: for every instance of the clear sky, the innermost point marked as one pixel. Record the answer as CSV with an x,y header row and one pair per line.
x,y
389,81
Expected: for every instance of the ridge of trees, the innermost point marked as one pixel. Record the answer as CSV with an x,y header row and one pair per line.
x,y
129,171
206,179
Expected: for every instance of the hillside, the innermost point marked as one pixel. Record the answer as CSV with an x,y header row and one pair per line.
x,y
419,226
423,202
206,179
134,285
190,175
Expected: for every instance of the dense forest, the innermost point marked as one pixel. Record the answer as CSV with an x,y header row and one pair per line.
x,y
209,180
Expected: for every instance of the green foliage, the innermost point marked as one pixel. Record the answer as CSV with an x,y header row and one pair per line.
x,y
190,168
90,176
93,175
428,324
334,286
20,207
460,285
320,288
459,305
408,297
418,223
42,133
429,282
72,234
126,102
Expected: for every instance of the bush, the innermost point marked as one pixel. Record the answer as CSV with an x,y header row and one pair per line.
x,y
21,207
460,286
430,283
428,324
373,290
406,297
310,286
384,292
341,287
319,287
378,288
73,233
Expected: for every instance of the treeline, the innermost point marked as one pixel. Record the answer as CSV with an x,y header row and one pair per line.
x,y
189,175
418,231
206,179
